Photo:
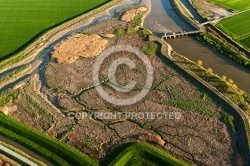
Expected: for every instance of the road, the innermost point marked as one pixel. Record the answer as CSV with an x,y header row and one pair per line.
x,y
18,156
23,149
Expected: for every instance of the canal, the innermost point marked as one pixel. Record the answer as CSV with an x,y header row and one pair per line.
x,y
163,18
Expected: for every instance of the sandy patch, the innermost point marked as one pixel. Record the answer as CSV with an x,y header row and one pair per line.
x,y
152,138
109,35
207,8
130,14
79,45
6,110
19,85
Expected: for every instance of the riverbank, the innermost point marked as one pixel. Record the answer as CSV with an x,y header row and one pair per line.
x,y
224,49
196,50
224,36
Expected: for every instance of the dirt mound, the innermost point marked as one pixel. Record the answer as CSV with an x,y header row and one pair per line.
x,y
79,45
152,138
6,110
108,35
130,14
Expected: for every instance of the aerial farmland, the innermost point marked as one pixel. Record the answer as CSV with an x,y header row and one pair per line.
x,y
237,5
238,27
23,21
124,82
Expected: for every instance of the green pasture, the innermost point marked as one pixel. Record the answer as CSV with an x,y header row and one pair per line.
x,y
136,153
238,5
238,27
246,41
22,20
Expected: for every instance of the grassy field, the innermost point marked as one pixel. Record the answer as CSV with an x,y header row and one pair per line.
x,y
135,153
48,147
21,21
238,27
245,41
233,4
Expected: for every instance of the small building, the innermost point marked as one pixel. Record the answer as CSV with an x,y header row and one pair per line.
x,y
214,17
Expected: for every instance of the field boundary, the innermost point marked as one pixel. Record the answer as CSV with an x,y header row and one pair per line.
x,y
229,39
226,7
39,34
47,36
124,153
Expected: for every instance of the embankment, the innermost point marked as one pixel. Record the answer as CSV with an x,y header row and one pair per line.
x,y
241,119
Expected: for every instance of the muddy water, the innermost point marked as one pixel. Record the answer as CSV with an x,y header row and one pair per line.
x,y
163,19
159,21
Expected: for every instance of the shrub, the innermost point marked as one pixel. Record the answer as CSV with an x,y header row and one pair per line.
x,y
210,70
223,78
144,32
199,62
138,20
118,32
228,119
230,81
149,49
130,30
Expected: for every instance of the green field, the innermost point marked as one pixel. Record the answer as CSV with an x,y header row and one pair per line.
x,y
56,151
22,20
140,154
238,27
245,41
134,153
238,5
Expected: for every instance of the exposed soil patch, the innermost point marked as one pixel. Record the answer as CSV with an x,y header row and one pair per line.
x,y
5,161
79,45
6,110
207,8
129,15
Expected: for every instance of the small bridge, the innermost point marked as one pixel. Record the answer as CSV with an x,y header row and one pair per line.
x,y
179,34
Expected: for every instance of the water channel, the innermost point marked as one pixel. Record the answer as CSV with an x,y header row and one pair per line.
x,y
163,19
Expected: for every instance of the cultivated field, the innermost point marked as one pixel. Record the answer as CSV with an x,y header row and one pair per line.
x,y
21,21
238,27
233,4
246,41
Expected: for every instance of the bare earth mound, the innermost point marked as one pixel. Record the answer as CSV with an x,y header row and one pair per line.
x,y
79,45
130,14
